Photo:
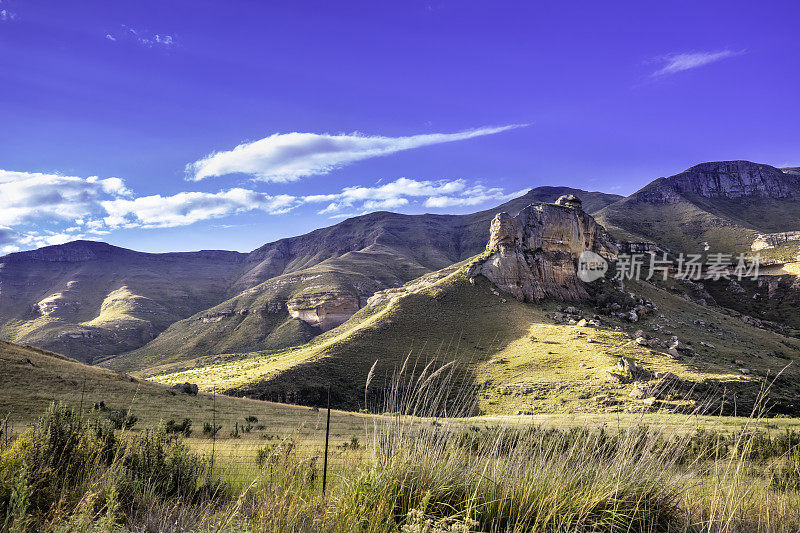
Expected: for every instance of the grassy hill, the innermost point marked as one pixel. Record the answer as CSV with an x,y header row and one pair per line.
x,y
90,299
724,204
33,378
521,358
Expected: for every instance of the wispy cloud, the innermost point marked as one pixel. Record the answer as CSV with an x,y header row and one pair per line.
x,y
473,196
286,157
144,38
404,191
8,240
675,63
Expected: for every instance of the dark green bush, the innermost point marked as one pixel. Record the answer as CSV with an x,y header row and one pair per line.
x,y
210,429
184,428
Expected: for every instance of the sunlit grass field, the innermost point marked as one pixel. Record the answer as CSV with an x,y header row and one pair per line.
x,y
409,468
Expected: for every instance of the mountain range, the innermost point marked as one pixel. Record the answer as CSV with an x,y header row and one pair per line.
x,y
721,206
91,300
278,322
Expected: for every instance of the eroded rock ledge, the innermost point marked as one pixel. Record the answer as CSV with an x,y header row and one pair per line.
x,y
323,310
534,255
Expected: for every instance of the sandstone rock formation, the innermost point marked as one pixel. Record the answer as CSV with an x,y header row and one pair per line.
x,y
535,254
325,310
765,241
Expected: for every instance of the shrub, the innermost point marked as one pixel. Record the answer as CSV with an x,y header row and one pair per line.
x,y
184,428
67,467
122,419
210,429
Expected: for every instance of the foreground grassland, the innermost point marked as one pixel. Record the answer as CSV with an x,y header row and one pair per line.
x,y
409,468
409,474
32,379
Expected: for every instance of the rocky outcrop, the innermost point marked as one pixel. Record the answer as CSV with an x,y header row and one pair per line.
x,y
764,241
535,254
324,310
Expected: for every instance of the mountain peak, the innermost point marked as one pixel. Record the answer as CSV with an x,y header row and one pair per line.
x,y
735,179
70,252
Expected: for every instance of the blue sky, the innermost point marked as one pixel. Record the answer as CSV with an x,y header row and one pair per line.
x,y
196,125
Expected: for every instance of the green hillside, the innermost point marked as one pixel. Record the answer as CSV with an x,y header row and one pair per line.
x,y
516,352
33,378
681,226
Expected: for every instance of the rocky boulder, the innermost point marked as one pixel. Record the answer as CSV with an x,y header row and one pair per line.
x,y
534,255
185,388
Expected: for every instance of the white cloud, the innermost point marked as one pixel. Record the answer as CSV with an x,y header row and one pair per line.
x,y
189,207
110,37
31,196
32,200
283,157
42,209
7,16
679,62
399,193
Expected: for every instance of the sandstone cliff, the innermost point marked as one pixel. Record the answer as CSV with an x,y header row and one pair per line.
x,y
324,310
534,255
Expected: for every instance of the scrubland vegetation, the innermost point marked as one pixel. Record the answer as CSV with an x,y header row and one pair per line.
x,y
417,471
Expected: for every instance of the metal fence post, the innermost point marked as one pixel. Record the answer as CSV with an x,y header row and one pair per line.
x,y
327,436
213,426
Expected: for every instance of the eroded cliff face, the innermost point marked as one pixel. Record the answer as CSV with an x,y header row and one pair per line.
x,y
535,254
325,310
